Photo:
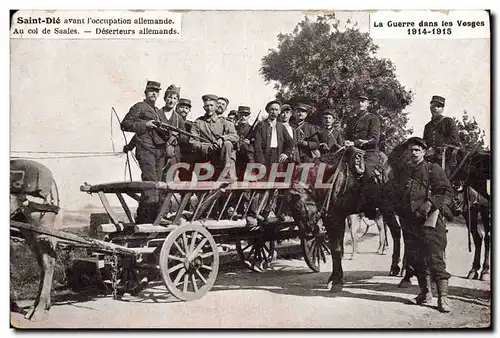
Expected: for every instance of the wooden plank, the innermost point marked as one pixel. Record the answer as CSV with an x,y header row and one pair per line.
x,y
101,245
125,207
164,208
149,228
182,206
222,224
109,210
135,196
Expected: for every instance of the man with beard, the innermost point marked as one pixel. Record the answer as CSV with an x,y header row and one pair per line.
x,y
439,134
330,137
420,194
306,134
151,147
245,152
222,104
220,133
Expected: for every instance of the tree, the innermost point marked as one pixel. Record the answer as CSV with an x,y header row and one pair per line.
x,y
470,133
328,67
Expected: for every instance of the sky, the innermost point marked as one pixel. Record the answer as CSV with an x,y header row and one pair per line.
x,y
62,91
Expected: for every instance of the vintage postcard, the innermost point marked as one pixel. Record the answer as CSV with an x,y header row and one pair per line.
x,y
250,169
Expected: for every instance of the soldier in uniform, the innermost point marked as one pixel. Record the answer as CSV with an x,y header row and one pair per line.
x,y
363,130
220,133
330,137
151,147
306,135
173,151
183,108
440,133
420,192
231,116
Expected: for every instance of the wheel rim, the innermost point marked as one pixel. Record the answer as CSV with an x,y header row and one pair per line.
x,y
189,262
315,249
256,253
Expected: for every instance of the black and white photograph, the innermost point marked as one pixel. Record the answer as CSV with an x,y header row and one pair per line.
x,y
250,169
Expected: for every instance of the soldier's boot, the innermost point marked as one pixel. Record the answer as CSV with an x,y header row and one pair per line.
x,y
425,295
442,288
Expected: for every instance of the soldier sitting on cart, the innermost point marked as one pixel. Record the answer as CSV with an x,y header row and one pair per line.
x,y
220,134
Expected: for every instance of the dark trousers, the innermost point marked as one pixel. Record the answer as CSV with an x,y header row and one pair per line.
x,y
372,160
151,161
425,247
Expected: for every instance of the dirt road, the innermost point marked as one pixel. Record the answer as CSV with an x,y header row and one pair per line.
x,y
290,296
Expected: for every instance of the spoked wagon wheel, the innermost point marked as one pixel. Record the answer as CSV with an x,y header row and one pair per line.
x,y
256,253
315,249
189,262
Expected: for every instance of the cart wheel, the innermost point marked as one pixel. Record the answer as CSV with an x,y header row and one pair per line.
x,y
256,253
189,262
315,248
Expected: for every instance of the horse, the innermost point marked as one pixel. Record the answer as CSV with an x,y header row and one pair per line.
x,y
470,181
34,199
349,192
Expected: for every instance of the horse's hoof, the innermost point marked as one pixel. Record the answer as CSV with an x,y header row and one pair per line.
x,y
337,287
405,283
485,276
395,269
473,274
38,315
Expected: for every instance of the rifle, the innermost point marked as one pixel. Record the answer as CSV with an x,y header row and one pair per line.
x,y
168,127
253,125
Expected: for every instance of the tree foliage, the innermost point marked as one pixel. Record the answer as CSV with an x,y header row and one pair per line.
x,y
470,133
328,67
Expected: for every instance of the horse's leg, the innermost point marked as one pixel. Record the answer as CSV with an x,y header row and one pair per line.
x,y
381,234
478,242
485,217
336,232
46,247
354,222
395,229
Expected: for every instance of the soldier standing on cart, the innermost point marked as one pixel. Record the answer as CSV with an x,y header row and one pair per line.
x,y
151,147
419,196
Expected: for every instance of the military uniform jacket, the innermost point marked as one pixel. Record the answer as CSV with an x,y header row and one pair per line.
x,y
439,131
332,138
262,143
425,182
306,131
214,127
365,127
245,152
243,130
135,122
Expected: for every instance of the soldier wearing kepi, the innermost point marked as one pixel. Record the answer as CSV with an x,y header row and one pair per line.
x,y
231,116
330,137
420,193
441,133
363,131
220,133
306,135
151,147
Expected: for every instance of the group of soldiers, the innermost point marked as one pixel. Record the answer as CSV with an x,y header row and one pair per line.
x,y
285,136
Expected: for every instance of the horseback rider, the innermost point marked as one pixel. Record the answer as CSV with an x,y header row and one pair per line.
x,y
440,134
363,131
420,192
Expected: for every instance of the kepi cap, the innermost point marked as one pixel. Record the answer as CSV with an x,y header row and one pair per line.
x,y
286,106
232,113
438,99
329,112
184,102
153,85
209,97
244,110
173,89
303,106
224,99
